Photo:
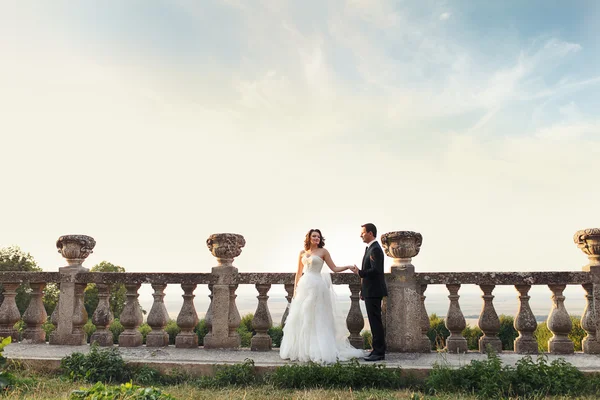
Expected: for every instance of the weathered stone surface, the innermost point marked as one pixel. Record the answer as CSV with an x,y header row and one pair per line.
x,y
401,244
589,344
588,240
131,318
489,323
158,317
262,321
225,247
25,277
102,317
75,248
455,323
35,316
504,278
355,320
9,312
559,323
187,319
525,324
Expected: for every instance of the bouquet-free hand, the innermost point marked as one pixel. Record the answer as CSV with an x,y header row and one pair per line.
x,y
354,269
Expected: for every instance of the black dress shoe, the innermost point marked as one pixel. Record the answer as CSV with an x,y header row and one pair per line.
x,y
375,357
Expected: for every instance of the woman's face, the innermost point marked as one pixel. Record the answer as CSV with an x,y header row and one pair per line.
x,y
315,238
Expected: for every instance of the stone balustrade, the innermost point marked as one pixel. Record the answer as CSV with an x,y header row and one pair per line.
x,y
404,305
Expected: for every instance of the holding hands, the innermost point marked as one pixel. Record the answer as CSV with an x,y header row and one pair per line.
x,y
354,269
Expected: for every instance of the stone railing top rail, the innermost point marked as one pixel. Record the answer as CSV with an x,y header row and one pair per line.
x,y
504,278
429,278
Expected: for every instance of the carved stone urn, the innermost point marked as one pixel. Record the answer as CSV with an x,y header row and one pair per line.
x,y
75,248
588,240
402,246
225,247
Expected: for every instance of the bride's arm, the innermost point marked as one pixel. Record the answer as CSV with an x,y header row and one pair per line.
x,y
299,272
331,264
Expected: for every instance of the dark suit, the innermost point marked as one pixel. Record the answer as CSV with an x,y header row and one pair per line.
x,y
373,290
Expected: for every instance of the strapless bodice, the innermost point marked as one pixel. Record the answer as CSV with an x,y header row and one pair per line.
x,y
312,263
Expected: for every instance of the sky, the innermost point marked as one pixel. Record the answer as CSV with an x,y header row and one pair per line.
x,y
150,125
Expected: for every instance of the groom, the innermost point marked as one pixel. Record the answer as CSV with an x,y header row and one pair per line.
x,y
373,288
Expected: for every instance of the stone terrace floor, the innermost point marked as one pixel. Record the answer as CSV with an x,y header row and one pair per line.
x,y
200,361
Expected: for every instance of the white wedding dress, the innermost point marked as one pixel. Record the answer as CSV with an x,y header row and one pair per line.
x,y
314,330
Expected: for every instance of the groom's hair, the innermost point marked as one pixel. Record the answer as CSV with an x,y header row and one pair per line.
x,y
307,239
370,228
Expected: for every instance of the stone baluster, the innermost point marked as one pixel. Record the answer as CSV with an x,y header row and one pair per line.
x,y
187,319
131,318
489,323
262,321
355,320
559,323
208,316
455,323
425,325
225,317
588,240
80,315
9,312
103,317
234,315
403,303
589,344
289,288
158,317
525,323
70,313
35,315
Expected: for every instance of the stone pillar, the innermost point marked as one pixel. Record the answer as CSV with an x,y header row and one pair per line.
x,y
131,318
9,312
103,317
225,318
589,344
403,304
525,324
70,314
588,240
187,319
289,288
208,316
425,324
158,318
355,320
262,321
35,315
455,323
559,323
489,323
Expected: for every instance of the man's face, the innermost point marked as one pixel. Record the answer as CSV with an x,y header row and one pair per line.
x,y
366,236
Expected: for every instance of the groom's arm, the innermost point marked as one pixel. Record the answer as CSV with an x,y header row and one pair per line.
x,y
375,265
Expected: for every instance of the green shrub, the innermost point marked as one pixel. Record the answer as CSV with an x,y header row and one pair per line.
x,y
338,375
472,335
489,379
104,365
577,332
437,333
245,335
507,333
144,329
173,330
230,375
89,329
126,391
48,327
276,333
247,323
367,339
542,334
116,328
201,330
6,379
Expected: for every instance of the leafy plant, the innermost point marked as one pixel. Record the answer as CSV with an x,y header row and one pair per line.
x,y
6,379
276,333
105,365
127,391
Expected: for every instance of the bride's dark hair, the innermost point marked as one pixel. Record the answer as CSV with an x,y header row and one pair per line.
x,y
307,239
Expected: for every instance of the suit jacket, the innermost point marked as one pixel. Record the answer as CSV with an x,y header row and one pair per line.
x,y
371,272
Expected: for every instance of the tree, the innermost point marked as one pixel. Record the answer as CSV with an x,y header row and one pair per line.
x,y
117,292
14,259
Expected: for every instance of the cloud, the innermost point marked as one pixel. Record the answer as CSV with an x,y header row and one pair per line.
x,y
445,16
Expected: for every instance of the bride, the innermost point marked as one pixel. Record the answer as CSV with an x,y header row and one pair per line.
x,y
314,330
